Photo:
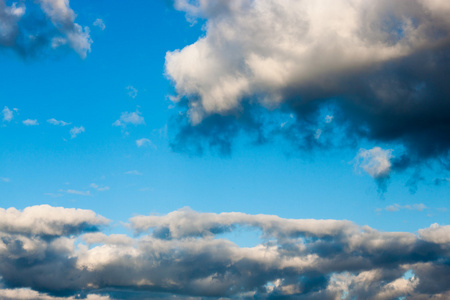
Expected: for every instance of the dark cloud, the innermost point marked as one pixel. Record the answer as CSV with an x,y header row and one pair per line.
x,y
302,259
378,69
34,29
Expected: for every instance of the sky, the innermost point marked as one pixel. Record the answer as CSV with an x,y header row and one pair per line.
x,y
257,149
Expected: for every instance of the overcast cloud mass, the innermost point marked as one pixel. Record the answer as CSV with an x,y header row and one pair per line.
x,y
378,68
58,253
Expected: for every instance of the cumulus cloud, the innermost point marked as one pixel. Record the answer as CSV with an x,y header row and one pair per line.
x,y
75,131
7,114
182,255
376,162
46,24
53,121
381,66
132,91
30,122
134,118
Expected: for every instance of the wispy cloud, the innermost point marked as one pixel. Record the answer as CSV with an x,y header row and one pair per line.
x,y
5,179
53,121
75,131
133,172
134,118
75,192
30,122
132,91
99,188
397,207
100,24
144,142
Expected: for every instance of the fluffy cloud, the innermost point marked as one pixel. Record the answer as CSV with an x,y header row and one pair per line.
x,y
53,252
53,121
7,114
47,24
134,118
100,24
143,142
381,66
30,122
76,131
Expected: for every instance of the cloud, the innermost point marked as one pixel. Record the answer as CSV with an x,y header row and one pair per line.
x,y
81,193
133,172
380,66
76,131
143,142
99,188
53,121
34,28
30,122
100,24
397,207
5,179
7,114
132,91
376,162
134,118
52,252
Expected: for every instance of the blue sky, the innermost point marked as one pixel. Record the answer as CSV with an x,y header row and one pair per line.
x,y
104,116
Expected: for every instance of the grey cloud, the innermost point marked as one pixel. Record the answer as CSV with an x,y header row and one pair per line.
x,y
301,259
36,28
380,66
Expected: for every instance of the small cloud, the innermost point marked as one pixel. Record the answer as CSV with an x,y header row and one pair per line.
x,y
55,122
396,207
7,114
144,142
318,134
100,24
132,91
81,193
376,162
99,188
53,195
133,172
30,122
4,179
134,118
329,119
76,131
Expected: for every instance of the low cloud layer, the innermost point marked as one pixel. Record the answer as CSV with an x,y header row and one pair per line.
x,y
34,28
58,253
377,68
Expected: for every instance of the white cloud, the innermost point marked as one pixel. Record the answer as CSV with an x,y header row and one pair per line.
x,y
30,122
134,118
397,207
436,234
81,193
53,121
7,114
133,172
132,91
99,188
5,179
100,24
76,131
143,142
376,161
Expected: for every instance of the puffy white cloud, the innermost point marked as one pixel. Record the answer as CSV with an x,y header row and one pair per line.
x,y
7,114
48,220
376,161
53,121
76,131
30,122
436,234
134,118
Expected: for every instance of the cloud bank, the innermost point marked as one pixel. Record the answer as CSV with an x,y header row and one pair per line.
x,y
31,29
58,253
379,66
